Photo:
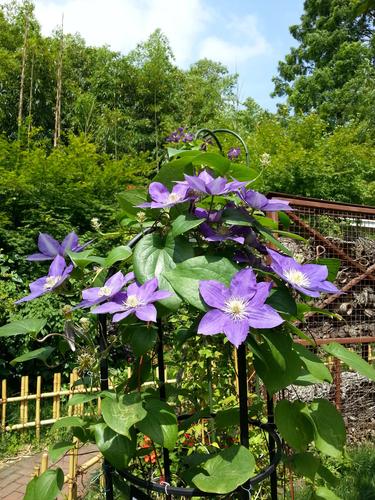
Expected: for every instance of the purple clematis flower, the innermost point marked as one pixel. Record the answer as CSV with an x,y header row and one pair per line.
x,y
223,233
162,198
205,184
97,295
49,247
260,202
212,216
136,300
57,274
237,308
310,279
234,153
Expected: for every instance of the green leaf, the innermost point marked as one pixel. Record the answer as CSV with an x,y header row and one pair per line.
x,y
22,327
225,471
333,266
155,255
296,331
294,426
266,221
121,415
284,219
68,422
129,200
227,418
271,239
140,337
181,153
242,173
160,423
329,427
215,161
314,365
185,277
276,363
282,300
43,353
117,254
46,487
184,223
305,464
231,216
117,449
78,399
82,259
287,234
351,359
59,449
174,171
323,493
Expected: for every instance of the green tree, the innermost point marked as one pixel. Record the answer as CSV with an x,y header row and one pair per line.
x,y
331,71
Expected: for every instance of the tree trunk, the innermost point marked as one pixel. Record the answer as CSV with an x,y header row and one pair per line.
x,y
23,67
57,133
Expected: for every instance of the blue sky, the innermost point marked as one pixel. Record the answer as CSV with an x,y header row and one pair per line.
x,y
248,36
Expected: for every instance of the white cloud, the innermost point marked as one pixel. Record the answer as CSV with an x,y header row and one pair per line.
x,y
122,24
242,42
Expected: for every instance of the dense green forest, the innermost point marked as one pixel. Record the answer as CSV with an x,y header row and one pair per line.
x,y
80,124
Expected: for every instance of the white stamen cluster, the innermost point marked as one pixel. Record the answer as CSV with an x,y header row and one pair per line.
x,y
51,281
297,277
174,197
236,307
132,301
104,291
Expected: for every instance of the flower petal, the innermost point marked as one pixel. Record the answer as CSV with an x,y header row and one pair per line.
x,y
70,242
116,282
108,307
147,289
236,331
48,245
120,316
160,295
214,293
212,322
92,295
243,284
158,192
264,317
217,186
57,267
261,294
38,257
315,272
146,313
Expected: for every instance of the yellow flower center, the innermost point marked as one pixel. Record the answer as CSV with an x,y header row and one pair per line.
x,y
236,307
51,282
104,291
297,277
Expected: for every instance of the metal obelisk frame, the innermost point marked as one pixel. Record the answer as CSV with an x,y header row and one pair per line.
x,y
165,487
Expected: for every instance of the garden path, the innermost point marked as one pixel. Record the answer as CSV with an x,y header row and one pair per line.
x,y
15,475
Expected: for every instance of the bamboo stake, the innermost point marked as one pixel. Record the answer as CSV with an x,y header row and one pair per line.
x,y
22,403
26,402
58,400
29,125
44,463
3,405
54,398
71,477
37,407
36,472
71,382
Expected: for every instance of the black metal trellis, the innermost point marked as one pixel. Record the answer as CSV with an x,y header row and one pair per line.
x,y
165,487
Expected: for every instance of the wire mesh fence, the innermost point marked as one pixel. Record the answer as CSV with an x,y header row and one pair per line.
x,y
345,232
